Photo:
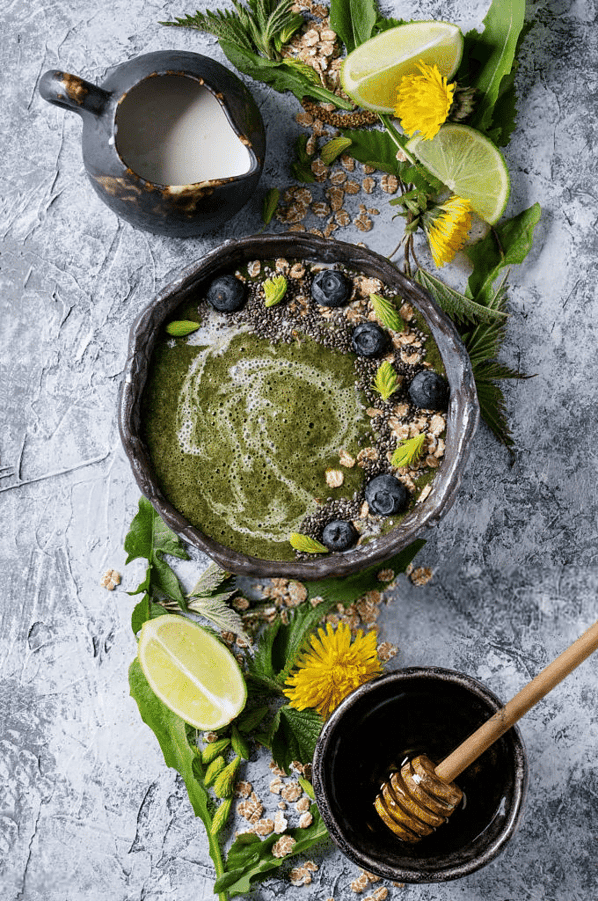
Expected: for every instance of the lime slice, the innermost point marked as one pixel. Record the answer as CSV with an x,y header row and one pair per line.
x,y
195,675
370,75
469,164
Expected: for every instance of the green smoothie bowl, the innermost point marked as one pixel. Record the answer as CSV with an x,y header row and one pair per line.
x,y
297,407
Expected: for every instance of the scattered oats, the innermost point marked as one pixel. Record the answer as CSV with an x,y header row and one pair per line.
x,y
364,224
211,736
373,596
321,209
304,118
432,461
424,494
282,265
242,643
110,579
330,228
300,876
364,510
368,185
276,769
316,231
421,575
305,820
302,805
303,195
282,805
243,789
241,603
410,359
292,791
348,163
297,228
283,846
311,37
264,827
338,177
359,884
336,197
346,459
381,893
251,809
406,312
316,601
366,286
310,145
373,211
342,218
297,591
385,575
254,268
374,411
228,638
437,424
389,183
297,270
368,453
386,651
334,478
276,785
326,48
319,169
308,771
352,187
439,452
401,156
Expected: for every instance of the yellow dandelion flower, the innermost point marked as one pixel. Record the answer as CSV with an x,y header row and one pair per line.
x,y
332,668
424,101
447,229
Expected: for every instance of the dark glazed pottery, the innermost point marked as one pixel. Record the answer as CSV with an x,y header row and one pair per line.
x,y
461,421
178,211
417,710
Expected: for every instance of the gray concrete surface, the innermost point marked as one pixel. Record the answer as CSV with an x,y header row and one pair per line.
x,y
88,809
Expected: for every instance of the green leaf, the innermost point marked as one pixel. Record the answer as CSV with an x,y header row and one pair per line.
x,y
213,581
181,328
386,380
301,165
270,204
143,611
171,732
306,544
492,400
294,735
217,611
457,305
275,289
494,50
250,860
333,149
386,313
279,75
353,21
261,668
507,244
377,148
409,451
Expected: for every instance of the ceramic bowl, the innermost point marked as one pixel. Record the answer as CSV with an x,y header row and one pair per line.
x,y
418,710
461,419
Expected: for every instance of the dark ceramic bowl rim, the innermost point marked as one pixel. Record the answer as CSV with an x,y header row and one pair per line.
x,y
163,60
415,874
461,420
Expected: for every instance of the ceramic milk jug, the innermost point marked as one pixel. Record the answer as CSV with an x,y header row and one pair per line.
x,y
172,141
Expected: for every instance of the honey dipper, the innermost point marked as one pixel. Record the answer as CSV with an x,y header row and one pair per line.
x,y
419,797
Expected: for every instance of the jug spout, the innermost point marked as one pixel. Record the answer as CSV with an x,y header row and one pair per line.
x,y
72,93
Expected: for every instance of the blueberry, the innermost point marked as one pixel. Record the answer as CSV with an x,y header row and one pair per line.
x,y
369,340
226,293
331,288
386,495
339,535
429,390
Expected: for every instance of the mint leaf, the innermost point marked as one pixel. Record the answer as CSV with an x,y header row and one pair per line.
x,y
293,735
494,52
353,21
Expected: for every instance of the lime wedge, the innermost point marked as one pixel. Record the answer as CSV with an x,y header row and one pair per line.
x,y
470,165
370,75
192,672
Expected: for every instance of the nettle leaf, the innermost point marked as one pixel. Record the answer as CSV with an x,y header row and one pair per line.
x,y
386,380
307,545
143,611
494,51
409,451
353,21
333,149
219,613
457,305
294,735
213,581
301,166
270,204
279,75
386,313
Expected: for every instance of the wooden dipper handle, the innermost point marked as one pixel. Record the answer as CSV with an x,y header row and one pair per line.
x,y
523,701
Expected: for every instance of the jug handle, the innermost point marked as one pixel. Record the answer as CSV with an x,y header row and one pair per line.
x,y
72,93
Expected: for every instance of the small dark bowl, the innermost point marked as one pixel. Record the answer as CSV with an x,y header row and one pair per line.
x,y
417,710
462,415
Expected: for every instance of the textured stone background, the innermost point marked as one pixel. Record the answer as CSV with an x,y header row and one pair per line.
x,y
88,809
